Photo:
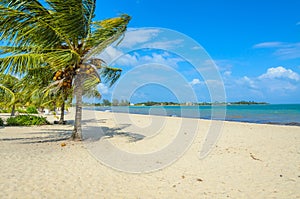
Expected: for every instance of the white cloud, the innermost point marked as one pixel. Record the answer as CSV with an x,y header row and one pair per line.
x,y
196,48
245,82
289,51
128,60
250,82
110,54
280,72
195,82
136,59
281,49
138,36
169,44
115,56
103,89
268,44
227,73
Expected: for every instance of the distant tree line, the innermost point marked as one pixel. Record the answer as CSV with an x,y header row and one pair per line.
x,y
151,103
116,102
248,102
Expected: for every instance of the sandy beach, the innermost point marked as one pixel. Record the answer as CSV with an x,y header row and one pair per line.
x,y
247,161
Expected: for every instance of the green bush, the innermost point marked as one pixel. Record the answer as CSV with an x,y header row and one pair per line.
x,y
26,120
4,111
31,110
1,122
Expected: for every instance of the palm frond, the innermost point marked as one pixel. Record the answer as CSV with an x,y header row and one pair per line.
x,y
105,33
20,61
7,93
73,17
110,75
21,27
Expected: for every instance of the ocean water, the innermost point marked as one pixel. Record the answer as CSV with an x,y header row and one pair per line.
x,y
286,114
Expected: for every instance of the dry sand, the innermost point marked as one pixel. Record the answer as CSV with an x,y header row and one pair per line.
x,y
248,161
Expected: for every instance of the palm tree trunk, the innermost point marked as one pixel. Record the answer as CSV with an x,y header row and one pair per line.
x,y
13,109
77,132
62,112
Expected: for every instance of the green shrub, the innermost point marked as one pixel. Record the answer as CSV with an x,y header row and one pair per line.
x,y
26,120
31,110
21,110
1,122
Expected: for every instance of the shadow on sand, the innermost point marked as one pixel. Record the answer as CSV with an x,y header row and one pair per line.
x,y
95,133
89,133
51,135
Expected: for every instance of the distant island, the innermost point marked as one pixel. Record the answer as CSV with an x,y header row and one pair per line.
x,y
153,103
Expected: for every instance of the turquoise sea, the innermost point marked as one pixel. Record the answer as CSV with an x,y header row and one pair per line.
x,y
285,114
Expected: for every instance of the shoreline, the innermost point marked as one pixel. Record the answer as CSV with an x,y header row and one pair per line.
x,y
52,117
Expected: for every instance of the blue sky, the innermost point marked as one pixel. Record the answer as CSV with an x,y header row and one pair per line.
x,y
255,46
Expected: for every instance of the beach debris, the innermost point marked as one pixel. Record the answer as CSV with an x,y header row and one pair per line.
x,y
63,144
254,158
280,175
199,180
182,176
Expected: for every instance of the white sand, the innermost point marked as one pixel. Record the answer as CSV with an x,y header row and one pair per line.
x,y
248,161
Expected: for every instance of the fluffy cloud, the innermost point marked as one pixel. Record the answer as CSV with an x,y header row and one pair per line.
x,y
249,82
280,72
103,89
277,84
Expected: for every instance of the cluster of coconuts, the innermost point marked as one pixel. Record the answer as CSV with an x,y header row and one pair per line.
x,y
87,69
66,76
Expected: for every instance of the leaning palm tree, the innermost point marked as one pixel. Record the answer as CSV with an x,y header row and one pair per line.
x,y
59,34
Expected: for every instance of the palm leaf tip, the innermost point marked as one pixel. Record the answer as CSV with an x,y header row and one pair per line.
x,y
111,75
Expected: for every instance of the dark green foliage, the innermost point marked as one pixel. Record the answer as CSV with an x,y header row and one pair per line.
x,y
26,120
31,110
1,122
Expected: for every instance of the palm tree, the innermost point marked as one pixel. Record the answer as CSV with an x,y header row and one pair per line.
x,y
10,94
59,34
43,91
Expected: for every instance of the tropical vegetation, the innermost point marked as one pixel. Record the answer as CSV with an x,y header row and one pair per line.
x,y
26,120
59,37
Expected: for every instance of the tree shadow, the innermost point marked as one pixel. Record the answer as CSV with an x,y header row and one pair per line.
x,y
53,135
89,133
95,133
86,121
